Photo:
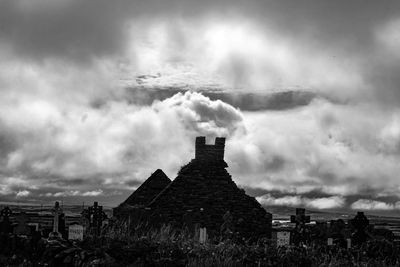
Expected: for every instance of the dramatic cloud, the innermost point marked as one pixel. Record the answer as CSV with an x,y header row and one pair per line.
x,y
94,96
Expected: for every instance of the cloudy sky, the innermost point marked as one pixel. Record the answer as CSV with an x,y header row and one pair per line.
x,y
95,95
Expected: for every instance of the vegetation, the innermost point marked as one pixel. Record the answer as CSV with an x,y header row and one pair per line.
x,y
139,246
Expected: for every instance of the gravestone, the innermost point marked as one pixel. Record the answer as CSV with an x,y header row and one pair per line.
x,y
300,231
95,215
5,225
75,232
330,241
6,213
300,217
57,220
348,243
359,223
22,227
282,238
203,235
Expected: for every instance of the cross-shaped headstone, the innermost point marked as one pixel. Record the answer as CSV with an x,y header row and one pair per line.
x,y
5,224
96,216
6,213
360,221
57,211
300,217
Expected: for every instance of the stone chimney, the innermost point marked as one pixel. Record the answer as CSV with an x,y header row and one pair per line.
x,y
206,152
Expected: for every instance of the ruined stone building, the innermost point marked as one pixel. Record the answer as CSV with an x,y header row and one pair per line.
x,y
202,194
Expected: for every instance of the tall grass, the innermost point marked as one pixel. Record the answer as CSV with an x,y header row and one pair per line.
x,y
167,246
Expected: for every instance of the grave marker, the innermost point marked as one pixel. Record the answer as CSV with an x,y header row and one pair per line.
x,y
95,216
75,232
5,226
203,235
300,217
282,239
330,241
348,243
57,212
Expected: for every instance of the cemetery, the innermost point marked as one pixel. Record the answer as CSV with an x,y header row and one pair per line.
x,y
201,218
102,242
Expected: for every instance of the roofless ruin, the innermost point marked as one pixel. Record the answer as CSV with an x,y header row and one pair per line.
x,y
202,194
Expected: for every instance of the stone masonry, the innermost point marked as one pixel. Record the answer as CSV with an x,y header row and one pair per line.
x,y
204,192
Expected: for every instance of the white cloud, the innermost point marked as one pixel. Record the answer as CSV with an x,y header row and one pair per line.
x,y
23,193
326,202
298,201
93,193
368,204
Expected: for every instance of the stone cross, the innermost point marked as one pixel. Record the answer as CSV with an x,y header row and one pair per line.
x,y
57,211
5,224
95,215
6,213
360,222
300,217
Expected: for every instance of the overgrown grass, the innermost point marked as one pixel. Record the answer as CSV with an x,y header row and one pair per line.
x,y
142,245
167,246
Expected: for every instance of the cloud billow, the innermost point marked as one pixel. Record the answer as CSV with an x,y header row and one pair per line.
x,y
95,95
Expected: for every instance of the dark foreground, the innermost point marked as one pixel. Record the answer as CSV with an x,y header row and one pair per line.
x,y
166,247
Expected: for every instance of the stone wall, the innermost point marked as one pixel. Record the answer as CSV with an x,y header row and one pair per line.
x,y
202,194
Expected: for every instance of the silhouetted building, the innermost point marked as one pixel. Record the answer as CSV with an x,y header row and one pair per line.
x,y
142,196
201,194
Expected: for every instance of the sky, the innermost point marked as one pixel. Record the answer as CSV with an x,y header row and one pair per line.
x,y
96,95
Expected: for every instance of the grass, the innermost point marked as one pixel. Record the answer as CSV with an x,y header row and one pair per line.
x,y
141,245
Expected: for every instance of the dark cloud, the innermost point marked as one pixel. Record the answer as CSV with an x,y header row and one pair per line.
x,y
96,94
246,101
73,30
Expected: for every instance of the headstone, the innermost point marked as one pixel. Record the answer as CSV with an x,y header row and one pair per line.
x,y
75,232
300,231
348,243
96,216
300,217
203,235
282,239
330,241
22,227
5,225
360,223
57,212
6,213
